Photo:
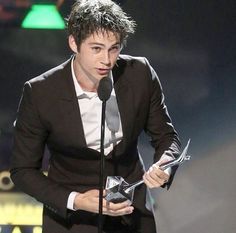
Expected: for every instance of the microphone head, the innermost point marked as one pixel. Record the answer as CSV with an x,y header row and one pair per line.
x,y
104,89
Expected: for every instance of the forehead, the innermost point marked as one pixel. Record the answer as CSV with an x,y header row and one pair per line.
x,y
106,38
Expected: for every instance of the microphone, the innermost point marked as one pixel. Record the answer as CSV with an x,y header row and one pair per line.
x,y
104,89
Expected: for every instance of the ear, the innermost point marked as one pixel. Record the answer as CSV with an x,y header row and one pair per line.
x,y
72,44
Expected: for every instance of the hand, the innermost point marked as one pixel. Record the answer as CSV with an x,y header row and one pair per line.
x,y
89,201
155,177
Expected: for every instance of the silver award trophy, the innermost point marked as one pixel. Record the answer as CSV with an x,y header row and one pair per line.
x,y
118,190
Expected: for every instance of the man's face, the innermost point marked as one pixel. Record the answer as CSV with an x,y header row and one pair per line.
x,y
96,57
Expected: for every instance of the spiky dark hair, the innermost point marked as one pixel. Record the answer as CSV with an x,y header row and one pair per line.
x,y
90,16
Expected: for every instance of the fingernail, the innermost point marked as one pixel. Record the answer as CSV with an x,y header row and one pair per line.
x,y
130,210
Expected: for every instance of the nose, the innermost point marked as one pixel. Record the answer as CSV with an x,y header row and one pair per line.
x,y
106,59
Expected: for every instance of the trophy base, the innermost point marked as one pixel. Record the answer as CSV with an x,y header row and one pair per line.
x,y
115,188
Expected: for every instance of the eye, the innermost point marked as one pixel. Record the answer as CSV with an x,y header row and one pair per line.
x,y
96,49
115,48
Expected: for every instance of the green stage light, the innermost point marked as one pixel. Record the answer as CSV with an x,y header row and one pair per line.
x,y
43,17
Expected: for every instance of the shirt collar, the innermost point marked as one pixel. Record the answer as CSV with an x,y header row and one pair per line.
x,y
79,91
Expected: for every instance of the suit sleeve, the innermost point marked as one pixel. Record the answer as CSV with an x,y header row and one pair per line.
x,y
164,137
30,137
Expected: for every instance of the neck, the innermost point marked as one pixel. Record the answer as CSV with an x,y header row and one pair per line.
x,y
86,82
86,86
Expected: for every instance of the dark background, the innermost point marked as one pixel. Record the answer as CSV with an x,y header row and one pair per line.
x,y
191,45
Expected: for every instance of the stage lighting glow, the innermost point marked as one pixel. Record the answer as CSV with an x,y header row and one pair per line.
x,y
18,209
21,214
43,17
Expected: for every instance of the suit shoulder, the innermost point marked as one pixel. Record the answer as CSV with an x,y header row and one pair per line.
x,y
139,66
133,60
50,75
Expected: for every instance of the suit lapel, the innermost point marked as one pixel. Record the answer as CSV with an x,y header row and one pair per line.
x,y
70,106
124,95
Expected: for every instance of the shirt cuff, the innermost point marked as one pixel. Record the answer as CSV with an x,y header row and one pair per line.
x,y
70,201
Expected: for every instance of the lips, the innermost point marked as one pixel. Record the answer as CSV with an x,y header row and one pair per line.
x,y
103,71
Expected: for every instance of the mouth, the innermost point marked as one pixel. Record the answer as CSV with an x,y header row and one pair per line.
x,y
103,71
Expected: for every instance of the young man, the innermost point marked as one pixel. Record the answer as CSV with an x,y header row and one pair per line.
x,y
61,109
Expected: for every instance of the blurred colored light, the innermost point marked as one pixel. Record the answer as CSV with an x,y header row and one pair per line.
x,y
43,17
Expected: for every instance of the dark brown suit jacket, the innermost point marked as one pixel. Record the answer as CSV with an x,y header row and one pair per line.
x,y
49,115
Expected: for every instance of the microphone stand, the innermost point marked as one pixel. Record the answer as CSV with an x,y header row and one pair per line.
x,y
101,177
104,92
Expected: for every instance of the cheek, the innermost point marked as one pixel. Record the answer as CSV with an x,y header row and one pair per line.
x,y
87,61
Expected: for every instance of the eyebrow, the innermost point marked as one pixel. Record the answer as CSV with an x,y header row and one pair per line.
x,y
100,44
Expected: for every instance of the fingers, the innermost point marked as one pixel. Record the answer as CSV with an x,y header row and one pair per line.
x,y
89,201
117,209
155,177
